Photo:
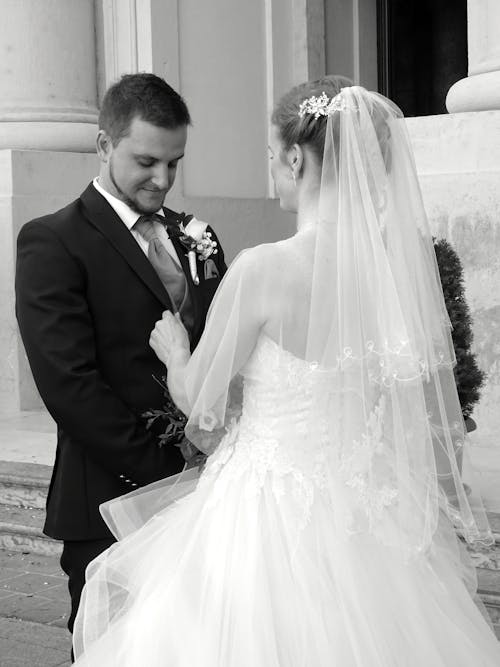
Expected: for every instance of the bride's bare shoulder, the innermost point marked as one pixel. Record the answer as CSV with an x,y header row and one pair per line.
x,y
267,253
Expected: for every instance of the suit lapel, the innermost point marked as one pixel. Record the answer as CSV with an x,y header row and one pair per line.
x,y
102,216
194,291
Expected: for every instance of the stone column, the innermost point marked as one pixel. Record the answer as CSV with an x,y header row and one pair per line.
x,y
48,125
48,76
480,91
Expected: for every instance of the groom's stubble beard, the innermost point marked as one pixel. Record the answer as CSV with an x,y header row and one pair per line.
x,y
122,195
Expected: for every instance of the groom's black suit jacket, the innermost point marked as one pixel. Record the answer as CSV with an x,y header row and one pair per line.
x,y
87,299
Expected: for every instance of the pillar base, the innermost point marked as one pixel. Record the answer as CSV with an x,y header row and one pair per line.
x,y
480,92
48,136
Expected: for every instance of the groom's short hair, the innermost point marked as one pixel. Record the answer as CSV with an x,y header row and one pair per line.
x,y
145,96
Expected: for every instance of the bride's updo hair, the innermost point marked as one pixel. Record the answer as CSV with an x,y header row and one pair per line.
x,y
306,130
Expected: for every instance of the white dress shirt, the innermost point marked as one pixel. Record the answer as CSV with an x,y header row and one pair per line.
x,y
129,217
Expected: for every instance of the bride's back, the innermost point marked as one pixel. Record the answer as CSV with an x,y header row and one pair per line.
x,y
286,269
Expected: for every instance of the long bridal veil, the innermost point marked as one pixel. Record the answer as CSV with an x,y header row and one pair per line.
x,y
362,299
383,322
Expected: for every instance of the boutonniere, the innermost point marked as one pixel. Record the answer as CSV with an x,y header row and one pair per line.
x,y
193,235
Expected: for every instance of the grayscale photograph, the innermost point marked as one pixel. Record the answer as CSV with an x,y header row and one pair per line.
x,y
250,333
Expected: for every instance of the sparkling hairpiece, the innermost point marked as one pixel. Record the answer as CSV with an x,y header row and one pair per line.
x,y
324,106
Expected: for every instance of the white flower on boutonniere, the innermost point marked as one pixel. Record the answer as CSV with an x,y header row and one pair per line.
x,y
202,245
197,240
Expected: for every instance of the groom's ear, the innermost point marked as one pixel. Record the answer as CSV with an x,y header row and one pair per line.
x,y
104,145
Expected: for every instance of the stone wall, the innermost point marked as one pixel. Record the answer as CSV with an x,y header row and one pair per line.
x,y
458,160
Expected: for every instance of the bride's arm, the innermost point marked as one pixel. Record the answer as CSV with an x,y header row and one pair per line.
x,y
238,312
170,342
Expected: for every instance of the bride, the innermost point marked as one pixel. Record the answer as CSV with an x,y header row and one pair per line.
x,y
322,530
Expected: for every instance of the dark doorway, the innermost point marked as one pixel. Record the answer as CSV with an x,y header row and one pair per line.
x,y
422,52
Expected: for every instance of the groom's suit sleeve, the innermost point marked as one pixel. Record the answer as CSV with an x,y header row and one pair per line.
x,y
58,335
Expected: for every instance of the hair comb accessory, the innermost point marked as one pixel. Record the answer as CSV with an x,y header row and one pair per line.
x,y
322,105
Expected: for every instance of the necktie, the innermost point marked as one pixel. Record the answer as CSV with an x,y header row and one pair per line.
x,y
167,269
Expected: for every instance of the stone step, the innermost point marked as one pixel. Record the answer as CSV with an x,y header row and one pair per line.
x,y
494,519
21,530
487,562
488,588
24,484
23,490
488,557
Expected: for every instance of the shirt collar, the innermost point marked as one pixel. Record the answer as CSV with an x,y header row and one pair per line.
x,y
127,215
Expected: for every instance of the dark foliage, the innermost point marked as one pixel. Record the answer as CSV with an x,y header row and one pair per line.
x,y
469,377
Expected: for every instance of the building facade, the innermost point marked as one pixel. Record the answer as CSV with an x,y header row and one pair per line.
x,y
231,60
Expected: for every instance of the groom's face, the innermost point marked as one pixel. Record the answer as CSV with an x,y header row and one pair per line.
x,y
141,168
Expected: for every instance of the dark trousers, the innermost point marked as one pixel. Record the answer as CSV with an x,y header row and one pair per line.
x,y
75,557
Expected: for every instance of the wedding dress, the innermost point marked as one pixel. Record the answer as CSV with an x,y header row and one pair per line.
x,y
254,568
321,532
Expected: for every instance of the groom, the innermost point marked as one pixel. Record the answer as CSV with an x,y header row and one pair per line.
x,y
91,281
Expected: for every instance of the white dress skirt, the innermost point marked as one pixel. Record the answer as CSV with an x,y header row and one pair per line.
x,y
249,565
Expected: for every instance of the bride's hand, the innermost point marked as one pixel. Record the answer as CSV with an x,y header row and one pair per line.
x,y
169,340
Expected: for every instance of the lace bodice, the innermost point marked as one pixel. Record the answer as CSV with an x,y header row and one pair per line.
x,y
288,437
285,408
282,434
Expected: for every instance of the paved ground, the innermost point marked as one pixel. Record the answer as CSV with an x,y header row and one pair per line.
x,y
33,608
25,644
34,604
